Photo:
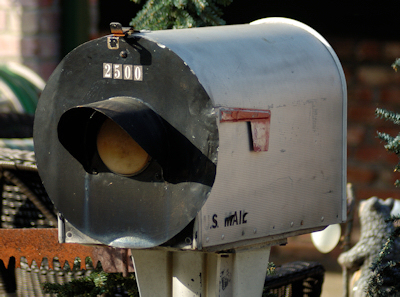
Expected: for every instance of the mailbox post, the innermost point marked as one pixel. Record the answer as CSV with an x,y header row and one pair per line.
x,y
196,148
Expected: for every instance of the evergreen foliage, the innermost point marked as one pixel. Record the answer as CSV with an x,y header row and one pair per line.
x,y
392,143
271,268
385,274
97,283
396,64
177,14
270,271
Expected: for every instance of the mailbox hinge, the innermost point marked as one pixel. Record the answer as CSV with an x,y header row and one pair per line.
x,y
118,31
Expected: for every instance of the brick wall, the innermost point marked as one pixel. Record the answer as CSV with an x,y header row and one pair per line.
x,y
29,33
371,83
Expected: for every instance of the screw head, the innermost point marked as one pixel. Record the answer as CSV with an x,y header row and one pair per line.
x,y
123,54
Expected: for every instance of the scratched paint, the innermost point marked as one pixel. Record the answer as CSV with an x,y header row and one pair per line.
x,y
259,122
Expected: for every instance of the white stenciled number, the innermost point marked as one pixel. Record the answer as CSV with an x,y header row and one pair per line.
x,y
118,71
128,72
138,73
123,71
107,70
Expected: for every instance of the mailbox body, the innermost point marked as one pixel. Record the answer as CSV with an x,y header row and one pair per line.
x,y
280,80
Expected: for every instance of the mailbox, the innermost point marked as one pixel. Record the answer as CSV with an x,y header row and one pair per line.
x,y
206,138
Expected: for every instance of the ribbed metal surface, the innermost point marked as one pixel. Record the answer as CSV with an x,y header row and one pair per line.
x,y
17,210
30,280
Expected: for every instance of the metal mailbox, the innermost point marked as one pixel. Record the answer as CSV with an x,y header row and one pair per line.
x,y
207,138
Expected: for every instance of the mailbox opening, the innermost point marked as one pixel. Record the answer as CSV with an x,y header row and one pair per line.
x,y
97,134
154,150
120,152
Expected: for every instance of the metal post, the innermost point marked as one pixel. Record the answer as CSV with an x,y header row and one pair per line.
x,y
193,274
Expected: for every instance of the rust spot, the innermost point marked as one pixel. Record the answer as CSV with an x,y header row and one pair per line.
x,y
36,244
259,121
243,115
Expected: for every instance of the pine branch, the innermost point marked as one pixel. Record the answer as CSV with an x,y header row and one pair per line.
x,y
383,281
154,15
393,143
388,115
385,137
270,271
76,287
200,5
181,4
183,20
172,14
95,284
396,65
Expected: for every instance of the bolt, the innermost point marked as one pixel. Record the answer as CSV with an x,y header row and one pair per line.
x,y
207,239
69,234
291,224
322,219
123,54
255,230
222,236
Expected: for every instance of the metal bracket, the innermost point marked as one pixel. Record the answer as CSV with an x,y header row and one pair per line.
x,y
69,234
118,31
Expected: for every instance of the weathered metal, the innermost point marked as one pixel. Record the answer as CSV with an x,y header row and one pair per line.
x,y
188,274
117,30
18,168
117,210
290,181
36,244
